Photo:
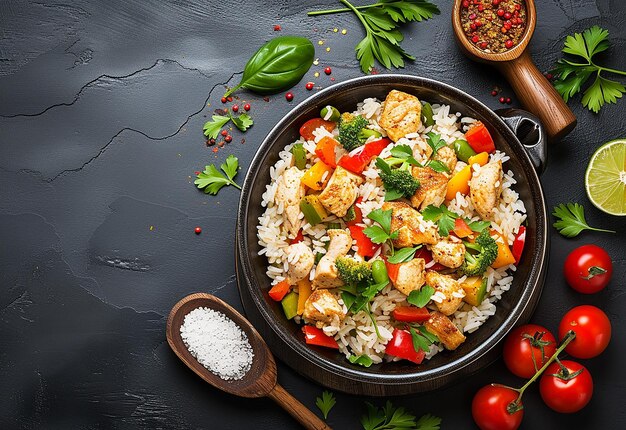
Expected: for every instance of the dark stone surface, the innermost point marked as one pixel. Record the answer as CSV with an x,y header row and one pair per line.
x,y
101,112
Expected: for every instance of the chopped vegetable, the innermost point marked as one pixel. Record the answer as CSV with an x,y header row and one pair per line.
x,y
316,336
379,272
390,418
314,177
518,244
427,115
280,290
571,75
365,247
325,150
299,156
312,209
461,229
459,183
311,125
299,238
479,138
481,159
475,288
212,180
427,256
479,255
330,113
352,271
397,182
333,226
362,360
304,291
505,256
401,346
358,161
463,150
571,220
392,270
349,128
354,215
325,403
410,314
366,133
290,305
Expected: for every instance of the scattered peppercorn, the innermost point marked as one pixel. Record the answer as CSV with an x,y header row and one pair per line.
x,y
508,100
328,70
230,99
224,132
198,230
494,93
246,107
289,96
210,142
221,144
266,99
235,108
224,100
309,86
502,100
228,138
277,27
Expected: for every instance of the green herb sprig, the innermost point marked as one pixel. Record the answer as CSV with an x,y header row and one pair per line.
x,y
325,402
212,180
572,75
570,220
390,417
421,297
381,21
422,338
212,128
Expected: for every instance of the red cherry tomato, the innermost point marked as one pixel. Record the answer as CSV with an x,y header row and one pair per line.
x,y
490,408
524,343
588,269
593,331
569,391
308,127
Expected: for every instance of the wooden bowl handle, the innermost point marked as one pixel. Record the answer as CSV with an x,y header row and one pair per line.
x,y
538,95
296,409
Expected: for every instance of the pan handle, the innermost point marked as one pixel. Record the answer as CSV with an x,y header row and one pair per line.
x,y
530,132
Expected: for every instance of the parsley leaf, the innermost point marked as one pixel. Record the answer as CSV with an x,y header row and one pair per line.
x,y
391,418
405,154
422,339
438,166
571,220
421,297
376,234
382,217
362,360
242,122
403,255
435,141
573,74
382,233
428,422
441,215
212,128
325,403
212,180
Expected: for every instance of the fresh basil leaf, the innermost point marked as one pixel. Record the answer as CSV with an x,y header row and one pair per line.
x,y
277,65
362,360
421,297
403,255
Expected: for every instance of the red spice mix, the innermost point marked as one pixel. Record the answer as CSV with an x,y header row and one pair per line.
x,y
494,26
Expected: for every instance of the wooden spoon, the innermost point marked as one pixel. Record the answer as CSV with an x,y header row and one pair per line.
x,y
260,381
532,88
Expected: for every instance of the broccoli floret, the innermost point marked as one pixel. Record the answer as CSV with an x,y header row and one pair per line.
x,y
349,128
397,182
352,271
480,255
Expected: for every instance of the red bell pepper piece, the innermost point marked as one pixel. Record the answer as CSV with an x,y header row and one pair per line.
x,y
410,314
518,244
461,229
299,238
392,270
365,247
428,257
401,346
280,290
358,161
358,213
308,127
479,138
325,150
316,336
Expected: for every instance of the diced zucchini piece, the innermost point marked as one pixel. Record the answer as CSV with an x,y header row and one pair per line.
x,y
333,226
299,156
290,305
350,214
475,290
312,209
330,113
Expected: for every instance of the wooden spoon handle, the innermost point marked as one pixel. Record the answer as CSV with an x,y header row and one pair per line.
x,y
538,95
296,409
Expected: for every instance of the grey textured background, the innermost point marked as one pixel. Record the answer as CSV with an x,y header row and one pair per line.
x,y
101,113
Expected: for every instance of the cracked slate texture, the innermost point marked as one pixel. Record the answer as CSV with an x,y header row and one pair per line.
x,y
101,112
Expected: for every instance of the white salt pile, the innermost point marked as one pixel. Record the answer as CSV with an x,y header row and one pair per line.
x,y
217,343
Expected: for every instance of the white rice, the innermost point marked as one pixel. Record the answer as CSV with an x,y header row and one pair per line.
x,y
356,334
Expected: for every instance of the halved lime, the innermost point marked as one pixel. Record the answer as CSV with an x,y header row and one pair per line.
x,y
605,178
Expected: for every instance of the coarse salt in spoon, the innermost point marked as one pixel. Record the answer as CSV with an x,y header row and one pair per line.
x,y
255,379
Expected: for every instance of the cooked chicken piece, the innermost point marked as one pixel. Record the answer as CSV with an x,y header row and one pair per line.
x,y
411,227
450,288
445,330
410,276
485,188
322,306
447,156
450,254
289,192
401,115
432,190
341,191
326,275
301,267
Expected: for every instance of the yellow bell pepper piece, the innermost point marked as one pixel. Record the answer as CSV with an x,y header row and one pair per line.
x,y
304,291
505,256
459,183
312,178
481,159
